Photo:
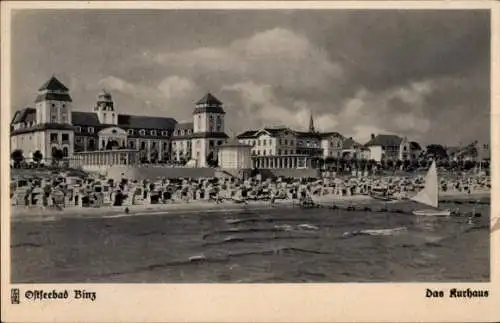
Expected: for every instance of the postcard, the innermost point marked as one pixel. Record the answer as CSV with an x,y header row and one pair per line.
x,y
250,161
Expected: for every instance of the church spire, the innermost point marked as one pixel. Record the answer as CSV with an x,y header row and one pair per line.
x,y
311,124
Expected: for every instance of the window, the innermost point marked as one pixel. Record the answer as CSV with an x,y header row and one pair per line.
x,y
279,151
164,133
291,142
104,116
65,151
143,145
91,144
78,129
131,144
130,132
264,152
91,130
153,132
258,142
219,142
165,145
286,142
281,142
142,132
103,144
264,142
54,138
211,143
65,137
153,144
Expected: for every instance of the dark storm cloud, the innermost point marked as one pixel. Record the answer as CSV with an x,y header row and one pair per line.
x,y
423,74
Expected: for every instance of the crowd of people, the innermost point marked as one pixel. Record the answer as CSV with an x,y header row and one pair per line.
x,y
63,190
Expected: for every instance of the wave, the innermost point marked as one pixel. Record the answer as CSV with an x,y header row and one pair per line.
x,y
375,232
249,230
143,234
229,240
27,244
284,250
268,220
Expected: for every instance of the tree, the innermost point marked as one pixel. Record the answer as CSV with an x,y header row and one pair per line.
x,y
154,156
37,157
17,157
212,160
406,164
57,155
436,151
399,163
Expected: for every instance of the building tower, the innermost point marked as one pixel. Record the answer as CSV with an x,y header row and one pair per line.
x,y
311,124
208,129
53,118
105,109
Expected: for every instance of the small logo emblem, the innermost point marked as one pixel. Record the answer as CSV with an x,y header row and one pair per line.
x,y
14,296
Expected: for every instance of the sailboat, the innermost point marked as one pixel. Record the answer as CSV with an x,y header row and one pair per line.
x,y
430,195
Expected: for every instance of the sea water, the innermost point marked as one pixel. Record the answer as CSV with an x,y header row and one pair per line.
x,y
265,246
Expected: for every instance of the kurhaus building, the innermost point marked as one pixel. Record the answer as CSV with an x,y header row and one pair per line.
x,y
103,136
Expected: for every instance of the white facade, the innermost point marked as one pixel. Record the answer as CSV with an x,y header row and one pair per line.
x,y
235,157
376,153
332,146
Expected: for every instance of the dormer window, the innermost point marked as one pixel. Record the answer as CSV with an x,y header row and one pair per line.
x,y
142,132
131,132
153,132
91,130
78,129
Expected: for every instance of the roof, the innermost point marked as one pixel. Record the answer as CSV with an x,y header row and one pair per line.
x,y
84,118
273,132
184,125
307,134
385,141
234,143
25,115
41,127
53,84
247,134
330,134
53,96
350,143
143,122
209,99
415,145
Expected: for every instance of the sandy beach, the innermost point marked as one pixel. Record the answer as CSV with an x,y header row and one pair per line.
x,y
193,207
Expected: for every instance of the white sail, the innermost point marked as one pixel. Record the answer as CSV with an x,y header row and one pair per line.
x,y
429,195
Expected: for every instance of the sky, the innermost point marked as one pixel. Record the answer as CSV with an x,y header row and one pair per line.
x,y
420,74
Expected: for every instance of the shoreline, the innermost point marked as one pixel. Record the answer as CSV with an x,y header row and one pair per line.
x,y
22,214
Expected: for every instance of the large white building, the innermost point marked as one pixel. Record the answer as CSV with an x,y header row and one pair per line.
x,y
53,124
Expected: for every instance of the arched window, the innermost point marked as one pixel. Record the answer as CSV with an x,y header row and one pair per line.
x,y
91,144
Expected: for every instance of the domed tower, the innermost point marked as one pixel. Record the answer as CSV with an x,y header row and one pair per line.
x,y
208,129
105,109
